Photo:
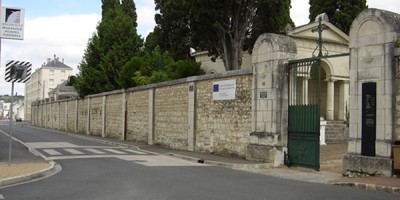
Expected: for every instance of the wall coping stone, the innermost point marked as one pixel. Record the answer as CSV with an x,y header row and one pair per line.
x,y
106,93
162,84
193,79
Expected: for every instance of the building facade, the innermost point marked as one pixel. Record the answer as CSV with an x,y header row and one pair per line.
x,y
43,80
335,71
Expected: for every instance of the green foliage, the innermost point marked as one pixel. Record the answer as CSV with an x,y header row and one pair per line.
x,y
272,16
128,72
398,42
341,13
160,66
226,28
172,32
110,48
71,81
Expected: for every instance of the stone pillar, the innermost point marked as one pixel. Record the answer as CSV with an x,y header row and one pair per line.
x,y
271,53
150,139
330,100
343,100
88,116
123,116
76,115
66,116
191,117
103,117
58,115
372,46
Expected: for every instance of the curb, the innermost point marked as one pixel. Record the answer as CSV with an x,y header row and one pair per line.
x,y
372,187
235,166
53,169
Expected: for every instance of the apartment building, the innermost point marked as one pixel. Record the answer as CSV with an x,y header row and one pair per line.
x,y
43,80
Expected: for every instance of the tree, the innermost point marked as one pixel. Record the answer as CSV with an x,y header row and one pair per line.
x,y
156,66
111,47
341,13
172,32
220,27
227,27
272,16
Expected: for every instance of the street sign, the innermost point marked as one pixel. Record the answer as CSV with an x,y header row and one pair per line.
x,y
12,23
18,71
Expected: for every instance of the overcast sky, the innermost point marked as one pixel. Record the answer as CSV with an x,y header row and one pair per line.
x,y
63,27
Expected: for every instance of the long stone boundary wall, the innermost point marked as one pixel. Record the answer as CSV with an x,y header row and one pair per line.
x,y
179,114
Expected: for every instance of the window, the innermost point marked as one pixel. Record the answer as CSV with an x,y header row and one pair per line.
x,y
62,72
51,81
51,72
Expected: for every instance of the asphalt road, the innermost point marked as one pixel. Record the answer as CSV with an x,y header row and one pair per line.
x,y
93,170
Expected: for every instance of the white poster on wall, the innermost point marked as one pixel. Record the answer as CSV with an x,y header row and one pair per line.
x,y
224,90
12,23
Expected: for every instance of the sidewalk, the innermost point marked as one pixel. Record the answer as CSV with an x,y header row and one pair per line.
x,y
329,174
24,165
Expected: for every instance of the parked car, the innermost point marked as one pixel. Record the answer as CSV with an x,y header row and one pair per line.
x,y
18,119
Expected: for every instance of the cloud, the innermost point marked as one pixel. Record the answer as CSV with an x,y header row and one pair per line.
x,y
145,13
299,12
65,36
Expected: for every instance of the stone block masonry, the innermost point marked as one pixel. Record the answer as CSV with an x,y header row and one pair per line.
x,y
179,114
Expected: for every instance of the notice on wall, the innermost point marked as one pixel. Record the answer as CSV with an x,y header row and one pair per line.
x,y
12,23
224,90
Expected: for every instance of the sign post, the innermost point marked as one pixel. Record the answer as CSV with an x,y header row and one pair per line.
x,y
12,27
16,71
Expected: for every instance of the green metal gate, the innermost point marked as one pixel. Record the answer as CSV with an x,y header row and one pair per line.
x,y
304,113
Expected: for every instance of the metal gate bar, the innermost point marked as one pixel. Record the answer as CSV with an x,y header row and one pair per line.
x,y
304,113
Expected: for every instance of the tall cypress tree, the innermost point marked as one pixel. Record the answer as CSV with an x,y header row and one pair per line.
x,y
115,43
341,13
272,16
172,32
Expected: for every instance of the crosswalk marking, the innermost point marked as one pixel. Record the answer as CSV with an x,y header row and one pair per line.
x,y
52,152
74,151
36,145
114,151
95,151
136,152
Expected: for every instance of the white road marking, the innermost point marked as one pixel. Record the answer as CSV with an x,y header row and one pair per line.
x,y
95,151
80,157
52,152
47,145
149,160
160,161
74,151
136,152
114,151
1,196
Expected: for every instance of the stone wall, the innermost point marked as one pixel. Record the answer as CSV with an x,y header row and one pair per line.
x,y
138,115
180,114
171,116
82,120
114,116
71,115
62,118
96,116
223,126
